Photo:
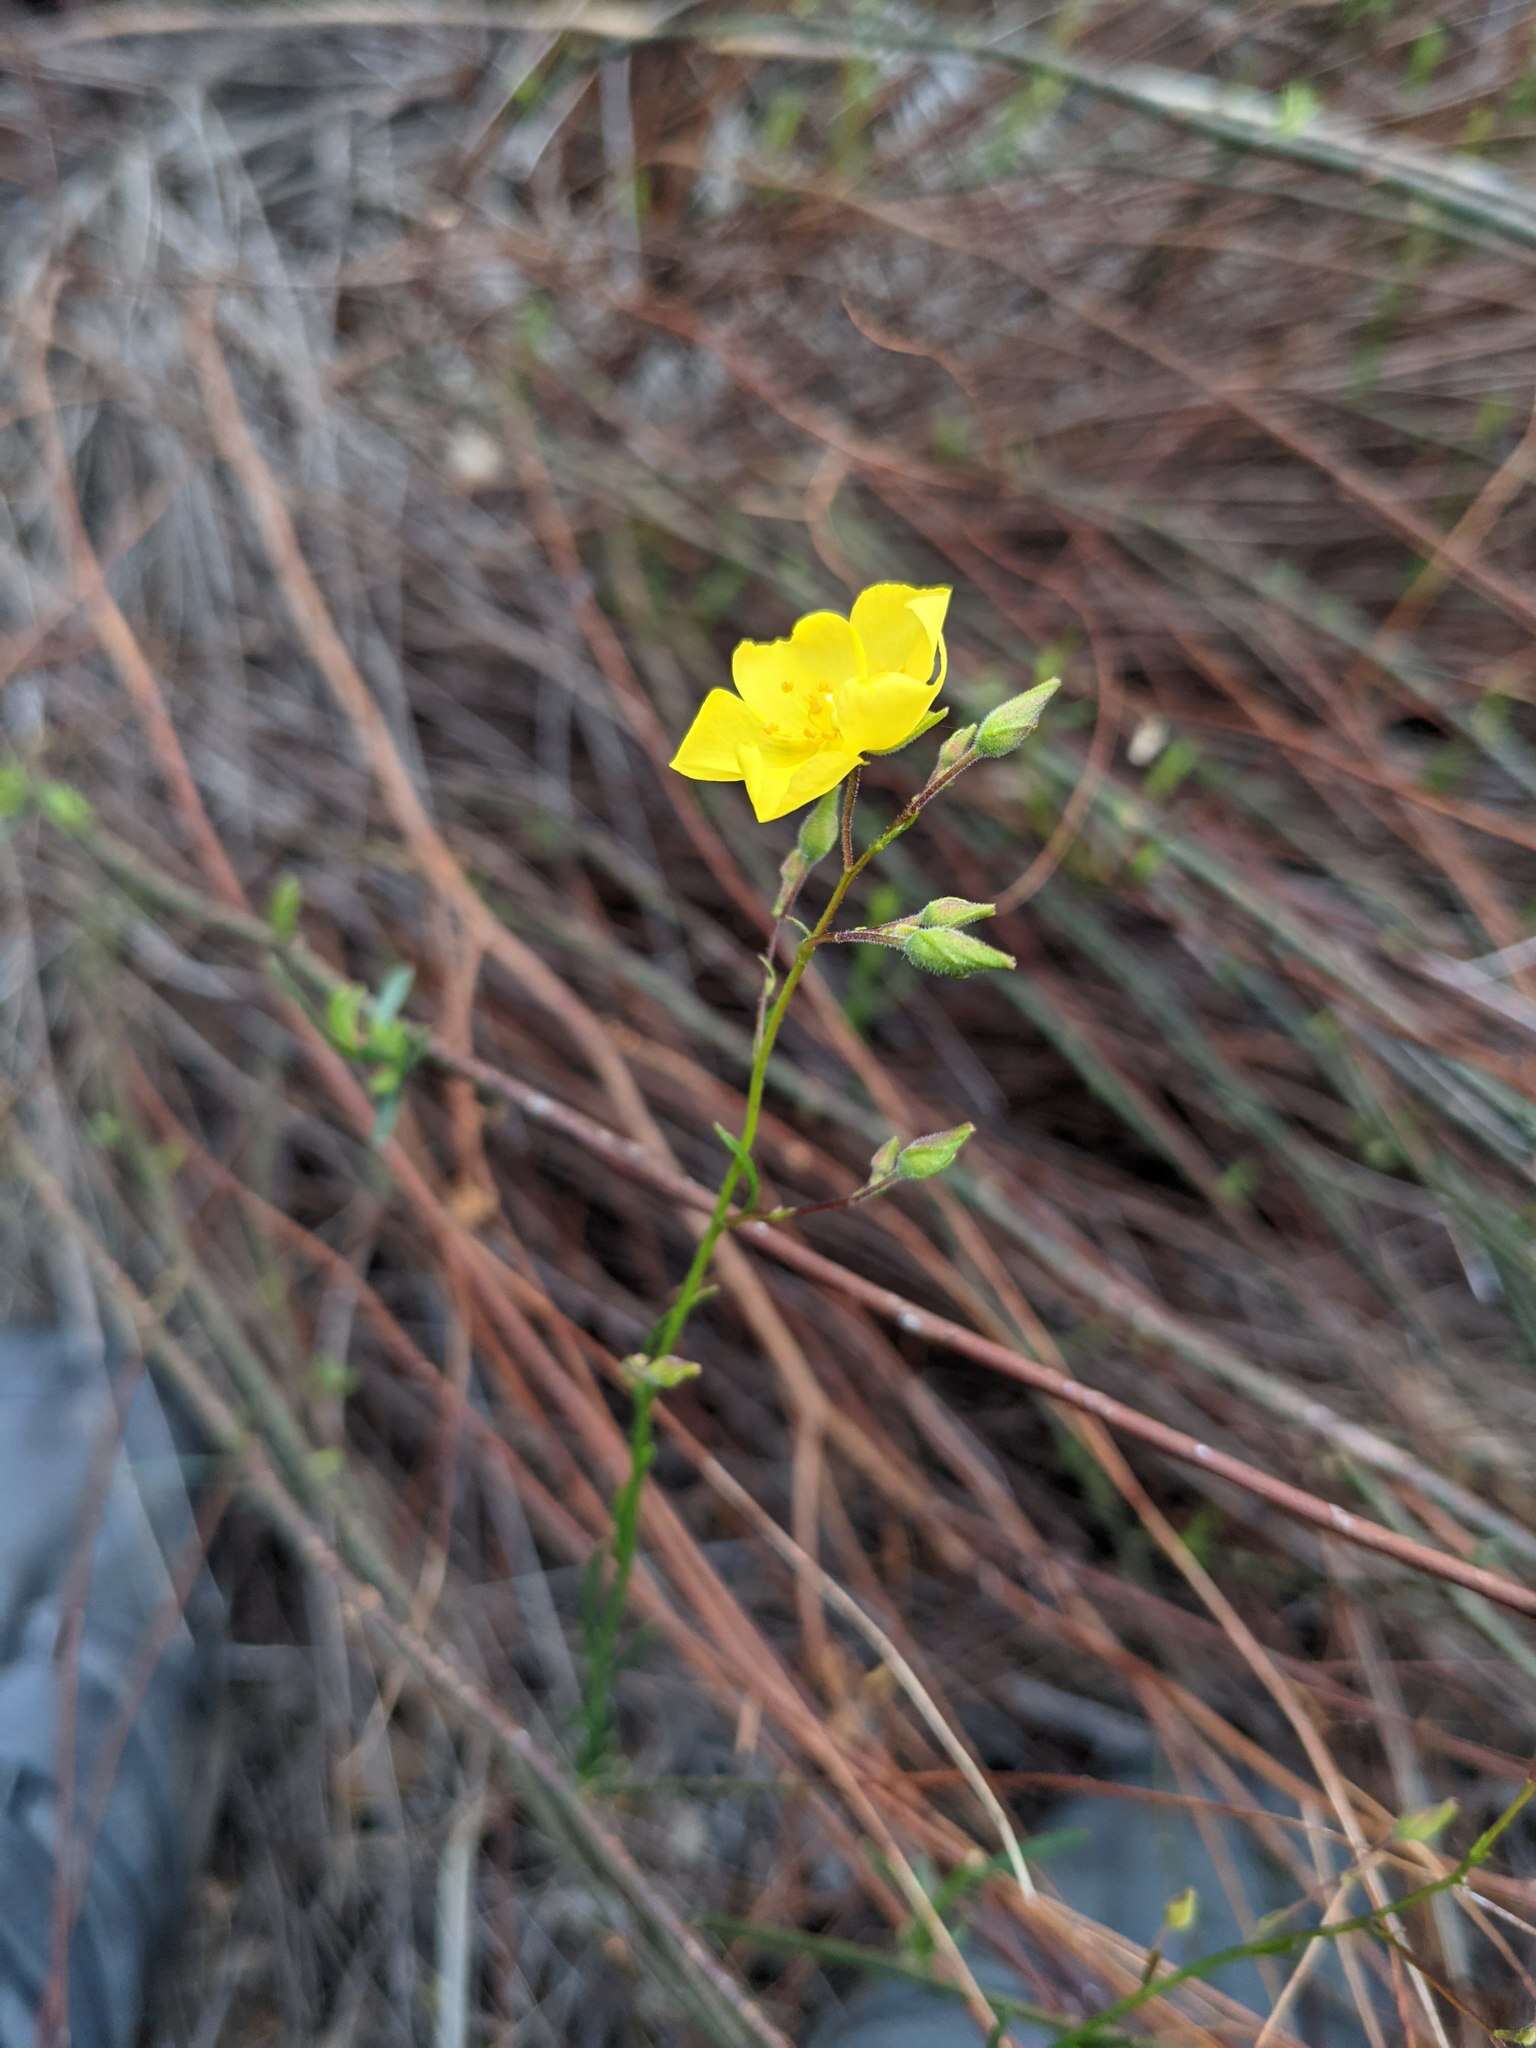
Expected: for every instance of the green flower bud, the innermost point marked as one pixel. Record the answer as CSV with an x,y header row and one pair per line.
x,y
942,952
818,835
661,1373
925,1157
792,872
343,1013
1012,723
884,1162
956,747
1179,1913
283,907
949,911
65,807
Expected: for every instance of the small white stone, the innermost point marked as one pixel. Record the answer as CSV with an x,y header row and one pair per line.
x,y
473,457
1147,741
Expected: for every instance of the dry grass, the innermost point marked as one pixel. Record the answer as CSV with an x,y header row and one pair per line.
x,y
402,420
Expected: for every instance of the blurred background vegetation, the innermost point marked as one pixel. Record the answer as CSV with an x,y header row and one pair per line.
x,y
405,410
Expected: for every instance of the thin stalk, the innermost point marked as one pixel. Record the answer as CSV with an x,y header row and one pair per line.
x,y
1089,2031
603,1640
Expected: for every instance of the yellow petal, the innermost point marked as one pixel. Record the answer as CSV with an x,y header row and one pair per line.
x,y
779,678
881,714
780,780
900,628
711,748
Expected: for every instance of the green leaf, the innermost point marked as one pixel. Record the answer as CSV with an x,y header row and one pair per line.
x,y
385,1119
1425,53
393,990
1169,769
781,118
283,907
65,807
15,789
956,747
1299,107
1427,1823
332,1376
883,1164
744,1160
343,1009
1179,1913
389,1043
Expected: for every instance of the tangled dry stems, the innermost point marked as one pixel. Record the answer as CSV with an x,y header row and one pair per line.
x,y
402,421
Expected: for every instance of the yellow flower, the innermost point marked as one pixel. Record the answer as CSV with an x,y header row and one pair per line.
x,y
808,709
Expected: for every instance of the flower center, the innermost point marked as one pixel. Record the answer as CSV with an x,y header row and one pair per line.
x,y
810,716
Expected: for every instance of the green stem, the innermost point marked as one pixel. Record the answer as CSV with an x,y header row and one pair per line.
x,y
603,1640
1302,1937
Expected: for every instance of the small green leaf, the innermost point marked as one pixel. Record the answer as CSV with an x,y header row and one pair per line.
x,y
1425,53
393,990
1146,860
15,789
1299,107
1477,128
1175,761
389,1042
744,1160
1179,1913
283,907
956,747
717,591
663,1373
343,1009
883,1164
385,1118
332,1377
65,807
1427,1823
781,118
